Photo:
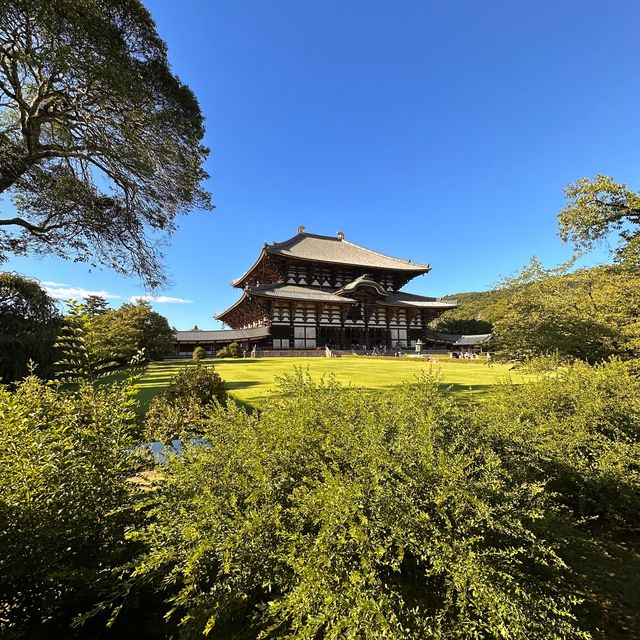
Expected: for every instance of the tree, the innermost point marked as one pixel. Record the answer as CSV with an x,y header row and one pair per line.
x,y
29,323
589,314
118,334
199,354
598,207
469,326
95,305
100,143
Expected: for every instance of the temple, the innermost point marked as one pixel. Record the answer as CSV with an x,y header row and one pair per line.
x,y
316,291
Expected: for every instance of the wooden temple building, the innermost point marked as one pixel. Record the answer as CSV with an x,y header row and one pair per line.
x,y
312,291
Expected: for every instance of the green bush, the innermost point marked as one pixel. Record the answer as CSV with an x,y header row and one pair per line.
x,y
577,427
233,350
340,514
67,496
179,411
199,354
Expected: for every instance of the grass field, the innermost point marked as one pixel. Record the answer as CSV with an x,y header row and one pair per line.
x,y
252,381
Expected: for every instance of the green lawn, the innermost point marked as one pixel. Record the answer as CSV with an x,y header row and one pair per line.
x,y
251,381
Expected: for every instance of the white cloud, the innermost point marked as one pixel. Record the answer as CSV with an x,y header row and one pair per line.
x,y
161,299
63,291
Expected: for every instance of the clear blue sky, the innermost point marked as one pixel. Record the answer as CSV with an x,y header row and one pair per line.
x,y
440,131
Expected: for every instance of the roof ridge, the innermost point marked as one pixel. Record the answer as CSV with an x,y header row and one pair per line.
x,y
384,255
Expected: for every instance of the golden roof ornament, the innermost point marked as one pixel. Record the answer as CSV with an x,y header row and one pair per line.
x,y
300,229
340,235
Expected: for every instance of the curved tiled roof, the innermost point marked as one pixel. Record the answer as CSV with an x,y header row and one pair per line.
x,y
334,250
295,292
400,298
221,335
314,294
460,340
309,246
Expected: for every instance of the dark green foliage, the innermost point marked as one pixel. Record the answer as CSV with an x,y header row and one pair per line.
x,y
201,383
29,323
340,514
99,141
463,327
199,354
95,305
119,334
577,427
473,305
179,411
67,461
233,350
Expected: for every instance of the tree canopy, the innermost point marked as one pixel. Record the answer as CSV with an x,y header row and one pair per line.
x,y
589,314
100,143
119,334
598,207
29,322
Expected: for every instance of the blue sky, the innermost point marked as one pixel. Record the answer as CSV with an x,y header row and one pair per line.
x,y
443,132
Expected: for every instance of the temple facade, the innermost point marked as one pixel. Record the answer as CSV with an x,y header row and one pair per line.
x,y
314,291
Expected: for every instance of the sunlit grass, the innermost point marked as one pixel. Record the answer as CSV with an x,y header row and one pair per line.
x,y
253,381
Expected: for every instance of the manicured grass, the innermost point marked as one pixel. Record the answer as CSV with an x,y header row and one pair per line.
x,y
252,381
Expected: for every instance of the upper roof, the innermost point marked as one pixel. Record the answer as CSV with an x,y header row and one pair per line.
x,y
309,246
221,335
335,250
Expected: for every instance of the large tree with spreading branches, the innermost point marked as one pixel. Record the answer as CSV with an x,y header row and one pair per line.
x,y
100,143
598,207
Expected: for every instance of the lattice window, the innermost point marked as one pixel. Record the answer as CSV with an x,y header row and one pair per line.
x,y
304,337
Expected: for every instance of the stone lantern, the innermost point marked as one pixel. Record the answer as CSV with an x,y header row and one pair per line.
x,y
419,346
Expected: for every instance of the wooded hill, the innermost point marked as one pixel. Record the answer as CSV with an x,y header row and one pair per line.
x,y
589,313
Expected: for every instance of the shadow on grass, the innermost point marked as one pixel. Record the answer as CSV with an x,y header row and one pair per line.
x,y
240,384
606,565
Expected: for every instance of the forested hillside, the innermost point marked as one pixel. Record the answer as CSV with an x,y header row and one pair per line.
x,y
586,313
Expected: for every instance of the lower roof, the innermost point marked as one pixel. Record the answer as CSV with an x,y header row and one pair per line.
x,y
221,335
460,340
315,294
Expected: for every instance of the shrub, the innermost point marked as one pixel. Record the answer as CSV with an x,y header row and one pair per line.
x,y
179,411
577,426
199,354
340,514
233,350
67,461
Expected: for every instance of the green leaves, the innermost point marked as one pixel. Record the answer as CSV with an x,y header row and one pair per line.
x,y
100,144
598,207
67,467
336,513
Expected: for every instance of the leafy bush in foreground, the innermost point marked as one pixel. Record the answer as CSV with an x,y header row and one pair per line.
x,y
66,498
180,410
577,427
340,514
